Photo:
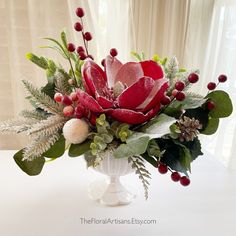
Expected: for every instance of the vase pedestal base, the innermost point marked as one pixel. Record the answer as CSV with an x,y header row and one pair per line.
x,y
110,192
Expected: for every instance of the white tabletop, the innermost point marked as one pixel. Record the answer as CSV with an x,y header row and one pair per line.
x,y
53,203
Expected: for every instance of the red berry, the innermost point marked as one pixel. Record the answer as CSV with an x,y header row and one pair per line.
x,y
70,47
103,62
163,169
78,26
68,111
80,49
184,180
92,119
113,52
222,78
66,100
180,96
87,36
58,97
193,78
175,176
90,56
174,92
165,100
79,111
82,56
73,96
179,85
211,86
80,12
210,105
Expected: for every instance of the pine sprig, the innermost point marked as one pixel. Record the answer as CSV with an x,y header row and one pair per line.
x,y
61,82
172,68
33,115
16,126
142,172
38,146
42,100
48,127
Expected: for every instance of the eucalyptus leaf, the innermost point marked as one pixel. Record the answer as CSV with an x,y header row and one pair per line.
x,y
223,104
31,168
212,126
133,148
57,150
189,103
76,150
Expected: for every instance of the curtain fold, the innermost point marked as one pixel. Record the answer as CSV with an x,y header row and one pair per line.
x,y
200,33
160,26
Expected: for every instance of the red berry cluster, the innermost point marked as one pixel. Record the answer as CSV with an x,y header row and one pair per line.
x,y
211,86
72,108
178,93
175,176
87,36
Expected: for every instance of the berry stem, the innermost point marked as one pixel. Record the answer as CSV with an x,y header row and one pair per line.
x,y
85,45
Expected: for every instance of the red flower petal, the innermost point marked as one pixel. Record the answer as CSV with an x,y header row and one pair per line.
x,y
152,69
104,102
112,66
94,78
129,73
132,117
88,101
136,94
155,96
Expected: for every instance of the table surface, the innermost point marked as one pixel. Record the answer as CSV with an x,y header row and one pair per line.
x,y
55,202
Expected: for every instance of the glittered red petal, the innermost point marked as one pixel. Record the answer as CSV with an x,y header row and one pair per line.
x,y
88,101
132,117
136,94
129,73
152,69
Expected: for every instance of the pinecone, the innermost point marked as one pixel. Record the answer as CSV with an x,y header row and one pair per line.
x,y
189,128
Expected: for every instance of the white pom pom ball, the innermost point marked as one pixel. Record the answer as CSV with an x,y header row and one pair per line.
x,y
76,130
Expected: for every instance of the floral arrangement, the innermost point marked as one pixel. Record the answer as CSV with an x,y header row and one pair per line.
x,y
142,111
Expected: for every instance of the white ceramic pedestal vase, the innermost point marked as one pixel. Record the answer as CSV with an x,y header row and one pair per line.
x,y
110,191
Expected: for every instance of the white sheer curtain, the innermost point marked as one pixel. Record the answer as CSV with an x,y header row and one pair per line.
x,y
23,24
200,33
221,58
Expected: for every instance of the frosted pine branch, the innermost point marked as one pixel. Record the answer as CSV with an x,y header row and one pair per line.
x,y
33,115
48,127
141,171
172,68
38,146
43,100
16,126
61,82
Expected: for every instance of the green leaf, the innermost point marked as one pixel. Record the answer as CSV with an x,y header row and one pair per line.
x,y
79,149
212,126
39,61
149,159
158,126
57,150
133,148
136,55
49,89
185,157
31,168
194,148
223,103
199,114
64,39
189,103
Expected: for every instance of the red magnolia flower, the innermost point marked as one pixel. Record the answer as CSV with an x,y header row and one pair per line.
x,y
130,93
